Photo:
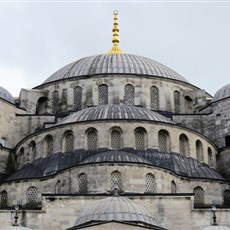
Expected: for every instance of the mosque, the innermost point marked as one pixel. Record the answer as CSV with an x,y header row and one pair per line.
x,y
115,141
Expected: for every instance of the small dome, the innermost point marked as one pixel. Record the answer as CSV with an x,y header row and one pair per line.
x,y
114,64
4,94
216,227
222,93
114,112
115,209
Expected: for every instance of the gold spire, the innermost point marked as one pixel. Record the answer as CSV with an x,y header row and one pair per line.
x,y
115,49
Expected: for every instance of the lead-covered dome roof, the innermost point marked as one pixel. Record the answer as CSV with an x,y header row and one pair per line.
x,y
222,93
115,208
114,112
114,64
57,162
4,94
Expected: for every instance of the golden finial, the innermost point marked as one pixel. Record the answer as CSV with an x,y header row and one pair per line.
x,y
115,49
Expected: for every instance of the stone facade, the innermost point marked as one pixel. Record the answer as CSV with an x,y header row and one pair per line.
x,y
129,126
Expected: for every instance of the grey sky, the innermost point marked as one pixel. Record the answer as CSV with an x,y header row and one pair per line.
x,y
37,39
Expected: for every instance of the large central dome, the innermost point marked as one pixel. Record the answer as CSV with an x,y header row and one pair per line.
x,y
114,64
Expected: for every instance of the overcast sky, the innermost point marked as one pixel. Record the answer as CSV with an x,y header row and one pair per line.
x,y
38,38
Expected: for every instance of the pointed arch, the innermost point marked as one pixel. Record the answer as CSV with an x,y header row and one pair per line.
x,y
164,141
48,145
184,145
82,183
154,98
140,138
32,150
92,139
68,141
129,95
150,185
116,181
32,197
103,94
116,139
55,101
77,98
199,151
173,187
198,196
177,104
3,199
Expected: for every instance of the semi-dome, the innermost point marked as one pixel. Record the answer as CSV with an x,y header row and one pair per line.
x,y
222,93
4,94
114,112
174,162
115,208
114,64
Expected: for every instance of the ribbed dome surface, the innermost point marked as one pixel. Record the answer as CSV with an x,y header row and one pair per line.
x,y
4,94
114,112
217,227
115,208
114,64
115,156
222,93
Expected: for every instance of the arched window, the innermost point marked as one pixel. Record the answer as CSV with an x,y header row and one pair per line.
x,y
58,187
92,139
154,98
150,186
68,142
3,199
176,95
41,105
199,151
82,183
163,141
227,141
32,196
55,101
184,145
140,138
116,139
210,157
129,94
198,196
227,198
103,94
116,181
77,98
32,150
173,186
188,104
48,145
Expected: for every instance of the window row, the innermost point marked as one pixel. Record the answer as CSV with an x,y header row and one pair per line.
x,y
116,142
103,97
32,199
199,196
116,183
